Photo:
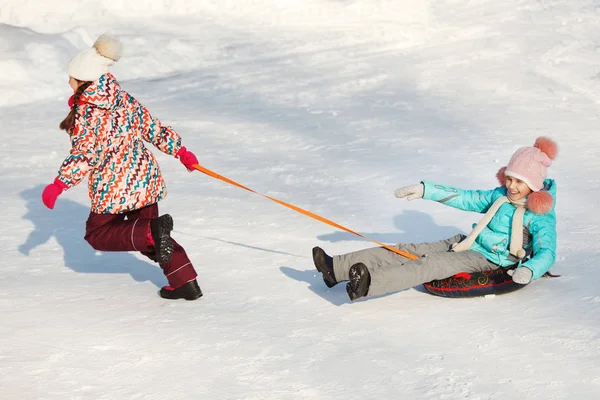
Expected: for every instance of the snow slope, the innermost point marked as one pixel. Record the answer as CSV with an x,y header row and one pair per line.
x,y
329,105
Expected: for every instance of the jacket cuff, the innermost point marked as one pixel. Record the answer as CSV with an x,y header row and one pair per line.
x,y
182,150
60,183
426,190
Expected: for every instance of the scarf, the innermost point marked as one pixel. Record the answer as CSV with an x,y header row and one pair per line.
x,y
516,237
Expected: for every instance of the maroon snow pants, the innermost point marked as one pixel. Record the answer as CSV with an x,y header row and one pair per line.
x,y
127,232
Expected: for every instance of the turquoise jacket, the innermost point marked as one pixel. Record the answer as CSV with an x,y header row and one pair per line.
x,y
493,241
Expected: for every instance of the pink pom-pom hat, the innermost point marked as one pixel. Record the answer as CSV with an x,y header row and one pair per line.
x,y
530,165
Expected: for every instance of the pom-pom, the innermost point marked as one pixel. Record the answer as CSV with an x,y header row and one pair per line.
x,y
501,176
540,202
109,47
547,146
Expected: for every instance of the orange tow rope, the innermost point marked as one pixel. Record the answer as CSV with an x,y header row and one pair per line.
x,y
302,211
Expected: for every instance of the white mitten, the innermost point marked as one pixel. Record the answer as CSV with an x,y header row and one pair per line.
x,y
521,275
411,192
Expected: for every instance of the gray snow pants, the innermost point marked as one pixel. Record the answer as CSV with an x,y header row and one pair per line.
x,y
391,272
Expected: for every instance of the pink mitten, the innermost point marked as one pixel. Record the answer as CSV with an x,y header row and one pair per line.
x,y
51,193
187,158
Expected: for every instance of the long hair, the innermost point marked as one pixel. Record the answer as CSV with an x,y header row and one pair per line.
x,y
68,123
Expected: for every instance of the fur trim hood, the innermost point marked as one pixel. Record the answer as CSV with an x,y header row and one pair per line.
x,y
104,93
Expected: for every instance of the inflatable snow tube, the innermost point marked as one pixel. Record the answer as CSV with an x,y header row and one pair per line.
x,y
475,284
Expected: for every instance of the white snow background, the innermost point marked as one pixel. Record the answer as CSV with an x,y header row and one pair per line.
x,y
329,105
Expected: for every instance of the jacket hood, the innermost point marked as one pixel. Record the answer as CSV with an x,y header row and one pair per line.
x,y
104,93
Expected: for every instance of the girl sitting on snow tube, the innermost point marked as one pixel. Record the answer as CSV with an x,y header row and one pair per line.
x,y
525,200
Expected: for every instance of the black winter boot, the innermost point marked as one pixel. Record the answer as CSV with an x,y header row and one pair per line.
x,y
360,279
188,291
161,228
324,265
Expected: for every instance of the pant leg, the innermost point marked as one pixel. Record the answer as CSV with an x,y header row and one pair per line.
x,y
440,265
128,231
143,216
380,256
420,249
179,269
112,232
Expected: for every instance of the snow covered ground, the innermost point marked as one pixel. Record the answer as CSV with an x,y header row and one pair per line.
x,y
329,105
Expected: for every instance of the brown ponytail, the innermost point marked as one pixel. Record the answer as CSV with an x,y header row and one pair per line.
x,y
68,123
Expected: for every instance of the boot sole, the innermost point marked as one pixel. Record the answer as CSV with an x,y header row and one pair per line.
x,y
192,293
358,286
319,260
165,294
164,245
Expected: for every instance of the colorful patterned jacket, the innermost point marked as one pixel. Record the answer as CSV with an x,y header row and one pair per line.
x,y
107,144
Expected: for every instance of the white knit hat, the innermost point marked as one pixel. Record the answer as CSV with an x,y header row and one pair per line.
x,y
90,64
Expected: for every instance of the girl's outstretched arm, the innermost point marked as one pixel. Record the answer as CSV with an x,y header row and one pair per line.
x,y
468,200
153,131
